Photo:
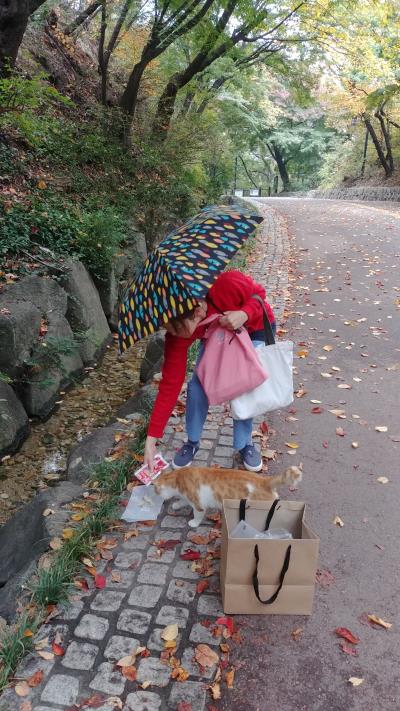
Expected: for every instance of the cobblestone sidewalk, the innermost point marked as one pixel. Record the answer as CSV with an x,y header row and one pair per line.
x,y
148,587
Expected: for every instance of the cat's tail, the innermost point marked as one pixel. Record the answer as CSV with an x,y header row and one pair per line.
x,y
293,475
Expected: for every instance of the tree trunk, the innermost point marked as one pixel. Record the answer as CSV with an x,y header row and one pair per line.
x,y
375,140
280,162
386,136
364,153
82,17
129,97
13,21
165,109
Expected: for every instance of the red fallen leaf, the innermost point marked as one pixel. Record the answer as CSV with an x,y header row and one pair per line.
x,y
184,706
348,650
57,649
206,623
325,445
340,431
93,702
145,653
324,578
346,634
190,555
317,410
35,679
227,622
264,427
201,586
167,545
100,581
129,673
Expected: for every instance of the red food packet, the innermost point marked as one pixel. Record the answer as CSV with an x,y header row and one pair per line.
x,y
143,473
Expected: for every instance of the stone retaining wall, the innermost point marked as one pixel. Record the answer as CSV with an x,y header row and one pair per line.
x,y
360,192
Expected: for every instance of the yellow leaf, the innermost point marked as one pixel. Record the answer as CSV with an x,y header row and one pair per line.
x,y
205,656
327,348
78,516
42,185
127,661
169,644
22,689
382,479
169,633
338,521
355,680
292,445
145,685
68,533
229,677
303,353
28,633
87,561
379,621
215,689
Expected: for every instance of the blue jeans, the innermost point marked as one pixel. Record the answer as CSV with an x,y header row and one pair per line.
x,y
197,410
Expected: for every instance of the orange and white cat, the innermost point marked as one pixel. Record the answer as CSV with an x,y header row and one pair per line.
x,y
206,487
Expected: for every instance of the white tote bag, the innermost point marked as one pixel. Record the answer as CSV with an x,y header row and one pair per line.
x,y
277,391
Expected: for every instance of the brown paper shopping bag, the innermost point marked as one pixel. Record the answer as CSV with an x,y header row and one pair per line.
x,y
268,576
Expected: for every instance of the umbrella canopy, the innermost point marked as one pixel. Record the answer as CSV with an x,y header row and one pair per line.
x,y
182,269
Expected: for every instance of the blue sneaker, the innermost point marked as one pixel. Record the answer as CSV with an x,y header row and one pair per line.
x,y
185,455
251,458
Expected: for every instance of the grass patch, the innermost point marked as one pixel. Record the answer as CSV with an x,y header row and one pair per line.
x,y
52,586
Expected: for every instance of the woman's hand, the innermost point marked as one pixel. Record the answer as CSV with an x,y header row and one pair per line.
x,y
233,319
150,452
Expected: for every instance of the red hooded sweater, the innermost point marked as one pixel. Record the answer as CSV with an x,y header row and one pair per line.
x,y
232,291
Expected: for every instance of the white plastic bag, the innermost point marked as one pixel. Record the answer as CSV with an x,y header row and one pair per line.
x,y
144,504
274,393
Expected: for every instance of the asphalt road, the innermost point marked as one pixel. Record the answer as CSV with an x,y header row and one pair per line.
x,y
346,297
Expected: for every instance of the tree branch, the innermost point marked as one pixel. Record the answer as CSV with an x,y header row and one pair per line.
x,y
80,19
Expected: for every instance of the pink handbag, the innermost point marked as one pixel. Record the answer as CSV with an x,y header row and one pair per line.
x,y
229,365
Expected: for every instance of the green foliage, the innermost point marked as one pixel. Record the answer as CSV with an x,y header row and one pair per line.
x,y
14,645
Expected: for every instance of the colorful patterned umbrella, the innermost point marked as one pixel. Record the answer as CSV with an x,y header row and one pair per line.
x,y
182,269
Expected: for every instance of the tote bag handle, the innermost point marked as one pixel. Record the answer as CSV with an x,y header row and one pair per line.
x,y
285,567
268,333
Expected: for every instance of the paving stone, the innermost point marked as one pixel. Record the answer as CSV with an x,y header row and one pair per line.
x,y
108,680
206,444
225,462
184,510
145,595
80,655
165,557
183,569
42,708
61,689
128,560
142,701
183,593
192,692
173,522
169,615
133,621
107,601
203,635
136,543
153,573
156,643
126,580
50,632
71,610
153,670
92,627
189,663
119,646
168,535
210,605
225,440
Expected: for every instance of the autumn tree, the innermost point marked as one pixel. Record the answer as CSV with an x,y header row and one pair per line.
x,y
14,16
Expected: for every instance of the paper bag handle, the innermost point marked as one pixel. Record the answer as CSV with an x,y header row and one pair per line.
x,y
242,512
283,572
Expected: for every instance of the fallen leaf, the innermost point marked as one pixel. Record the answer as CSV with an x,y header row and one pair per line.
x,y
316,402
338,521
344,386
22,688
201,586
47,512
338,413
291,445
78,516
327,348
340,431
351,651
35,679
129,673
68,533
167,545
25,706
190,555
170,644
28,633
295,634
170,632
378,621
226,622
180,674
324,578
269,453
381,428
57,649
184,706
302,353
145,685
215,689
346,634
316,410
224,648
205,656
115,576
47,656
326,375
55,543
127,661
382,479
264,427
354,445
229,678
355,680
42,185
99,581
301,393
131,534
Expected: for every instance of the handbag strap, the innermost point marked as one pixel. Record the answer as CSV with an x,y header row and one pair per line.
x,y
268,332
283,572
242,510
270,514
